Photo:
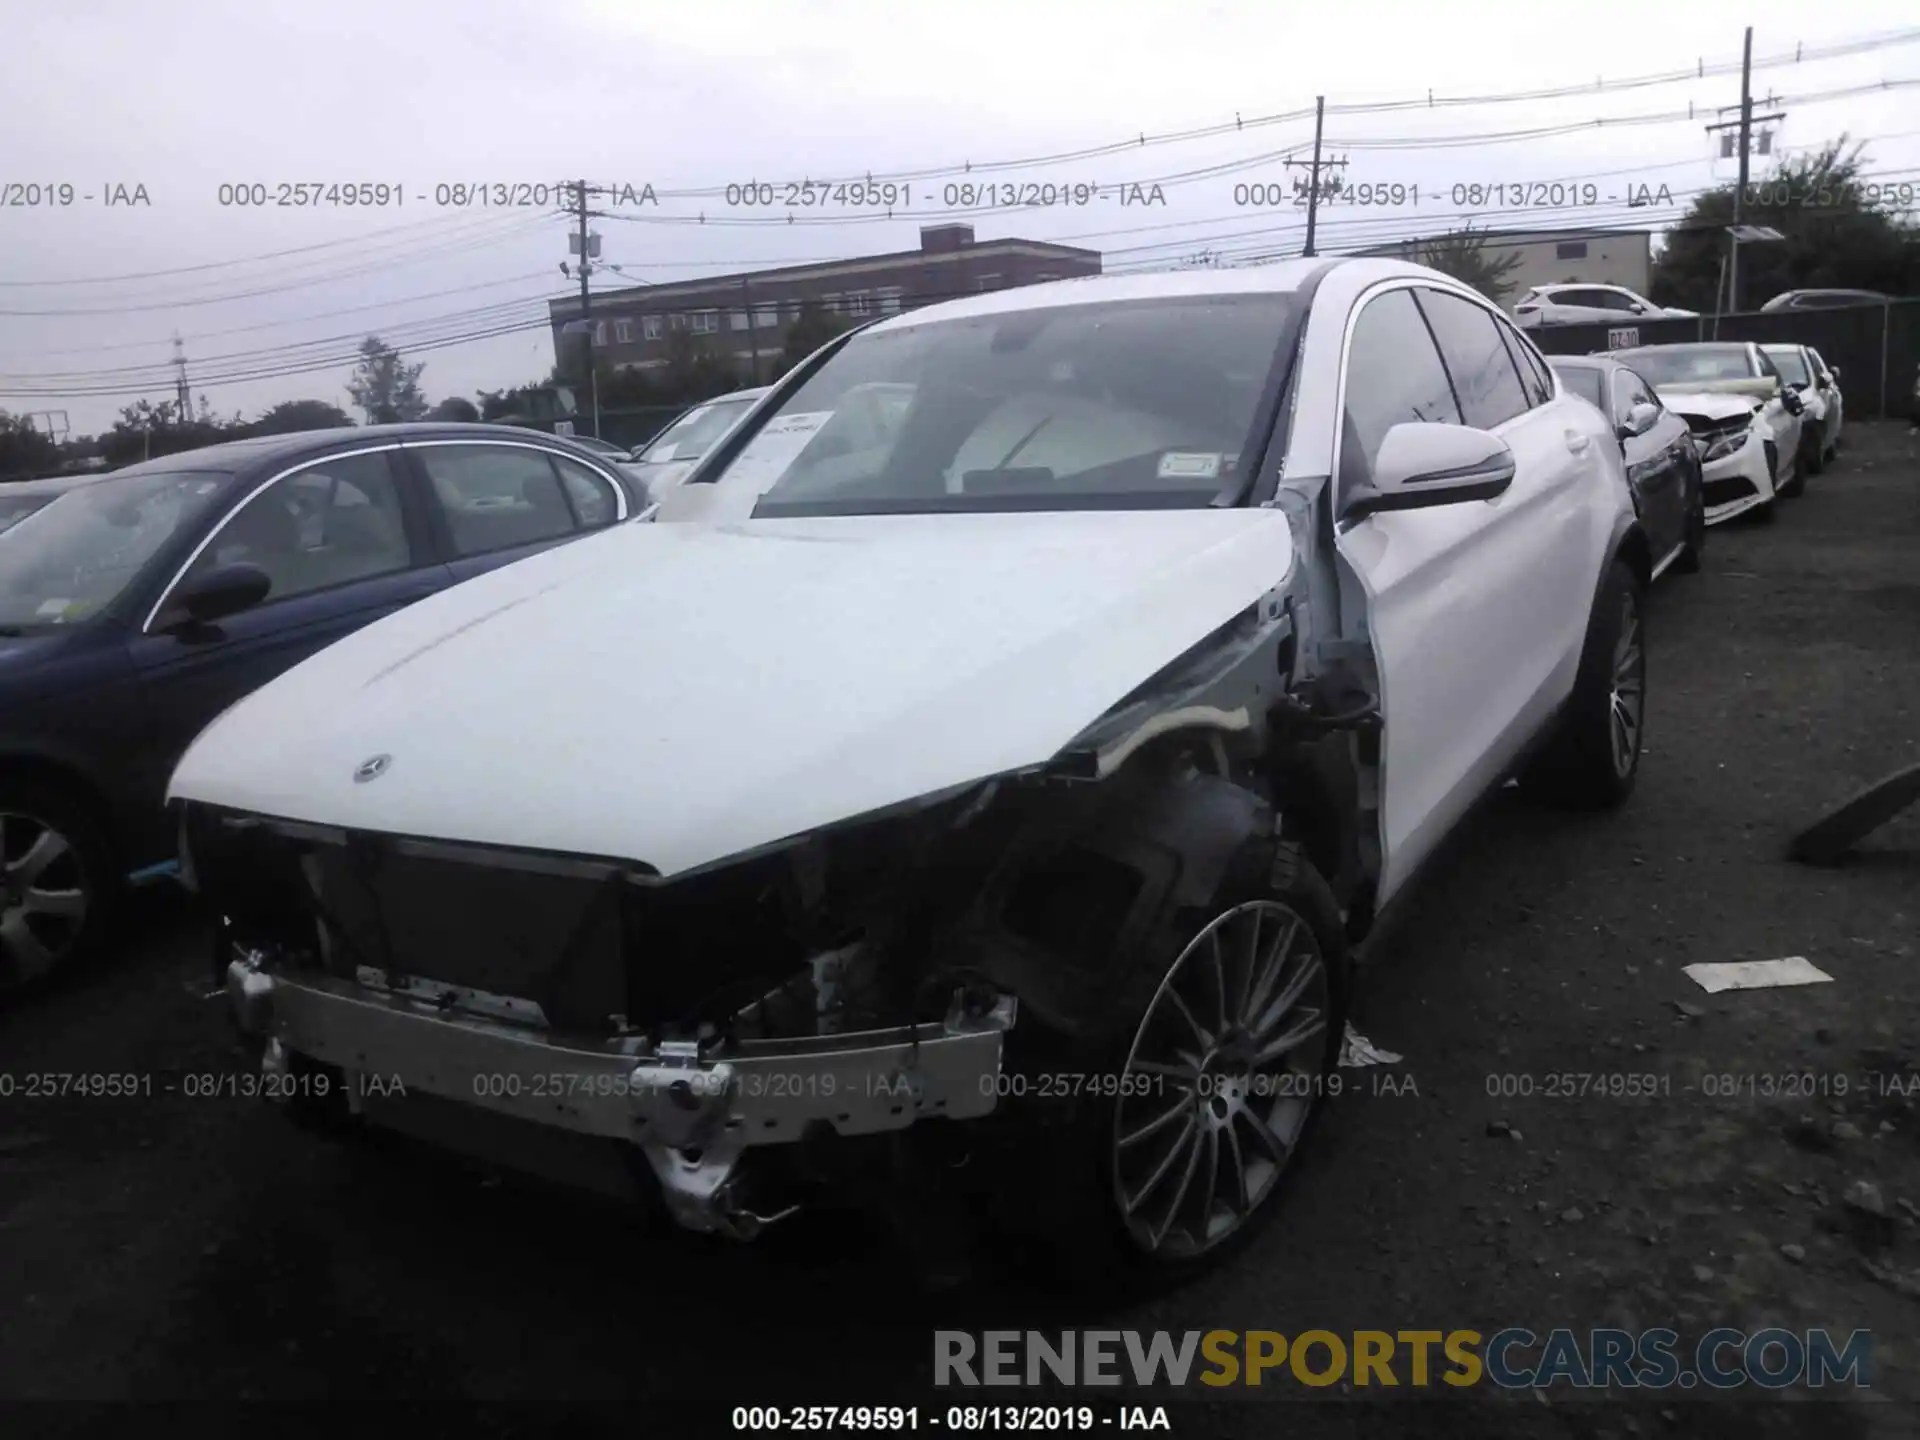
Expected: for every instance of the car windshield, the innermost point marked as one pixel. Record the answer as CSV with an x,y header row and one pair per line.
x,y
15,508
1685,364
1792,364
1138,404
689,437
85,547
1584,381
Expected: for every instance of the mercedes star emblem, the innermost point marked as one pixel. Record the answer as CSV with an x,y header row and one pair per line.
x,y
372,769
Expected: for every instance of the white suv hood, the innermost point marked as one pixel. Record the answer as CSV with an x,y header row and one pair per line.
x,y
675,694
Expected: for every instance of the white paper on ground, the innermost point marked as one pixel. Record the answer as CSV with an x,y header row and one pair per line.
x,y
1756,974
1356,1050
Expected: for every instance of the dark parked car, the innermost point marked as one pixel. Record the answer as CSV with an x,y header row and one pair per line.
x,y
135,607
605,449
1824,299
1663,463
21,498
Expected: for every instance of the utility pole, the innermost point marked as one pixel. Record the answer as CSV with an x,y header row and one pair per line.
x,y
587,246
1744,149
182,394
753,332
1314,190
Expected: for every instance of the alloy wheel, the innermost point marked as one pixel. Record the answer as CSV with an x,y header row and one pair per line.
x,y
43,897
1225,1068
1627,696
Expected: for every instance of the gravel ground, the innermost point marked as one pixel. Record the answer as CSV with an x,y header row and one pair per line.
x,y
198,1250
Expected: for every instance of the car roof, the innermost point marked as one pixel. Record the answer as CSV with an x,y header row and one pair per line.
x,y
1583,362
1281,277
259,451
1685,345
53,484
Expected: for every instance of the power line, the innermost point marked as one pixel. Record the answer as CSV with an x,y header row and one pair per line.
x,y
505,328
1699,71
301,319
791,219
1271,241
382,264
459,218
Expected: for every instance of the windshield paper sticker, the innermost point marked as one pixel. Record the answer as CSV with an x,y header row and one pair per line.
x,y
774,448
1182,465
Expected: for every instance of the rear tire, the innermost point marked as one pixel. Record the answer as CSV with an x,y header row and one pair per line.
x,y
1209,1150
60,884
1593,757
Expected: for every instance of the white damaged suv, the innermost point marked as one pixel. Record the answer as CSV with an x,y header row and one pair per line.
x,y
1013,785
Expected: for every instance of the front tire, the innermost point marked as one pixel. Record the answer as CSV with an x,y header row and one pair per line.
x,y
1814,459
1796,480
58,882
1694,539
1593,757
1226,1058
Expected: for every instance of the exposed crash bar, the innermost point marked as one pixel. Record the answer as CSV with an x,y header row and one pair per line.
x,y
860,1083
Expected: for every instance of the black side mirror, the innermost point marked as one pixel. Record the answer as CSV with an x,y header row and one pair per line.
x,y
222,591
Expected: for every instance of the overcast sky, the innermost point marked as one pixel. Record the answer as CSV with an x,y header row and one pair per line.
x,y
692,97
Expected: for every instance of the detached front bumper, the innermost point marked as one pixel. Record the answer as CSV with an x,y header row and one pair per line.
x,y
1738,482
696,1118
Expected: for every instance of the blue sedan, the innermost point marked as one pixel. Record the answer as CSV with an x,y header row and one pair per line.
x,y
136,607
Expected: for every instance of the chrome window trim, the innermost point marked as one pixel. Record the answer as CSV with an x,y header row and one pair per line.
x,y
619,492
1414,282
146,626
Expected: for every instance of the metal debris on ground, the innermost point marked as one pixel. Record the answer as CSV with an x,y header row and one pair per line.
x,y
1756,974
1356,1050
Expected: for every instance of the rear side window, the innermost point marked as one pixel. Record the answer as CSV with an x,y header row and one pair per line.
x,y
590,493
1535,378
1632,391
1476,358
1585,382
495,496
1394,374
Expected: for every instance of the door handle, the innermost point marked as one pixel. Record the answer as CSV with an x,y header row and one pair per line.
x,y
1578,443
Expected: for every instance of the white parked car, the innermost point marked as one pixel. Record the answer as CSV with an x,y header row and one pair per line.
x,y
1021,780
1802,369
1744,418
667,459
1575,304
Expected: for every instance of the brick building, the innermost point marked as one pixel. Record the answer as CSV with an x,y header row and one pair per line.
x,y
748,314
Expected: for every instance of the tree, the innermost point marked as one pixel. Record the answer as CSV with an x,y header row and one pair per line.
x,y
455,408
1463,254
499,404
24,450
291,416
1839,234
813,327
384,387
694,369
146,431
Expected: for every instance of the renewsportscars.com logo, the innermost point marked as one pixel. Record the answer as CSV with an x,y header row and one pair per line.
x,y
1513,1359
